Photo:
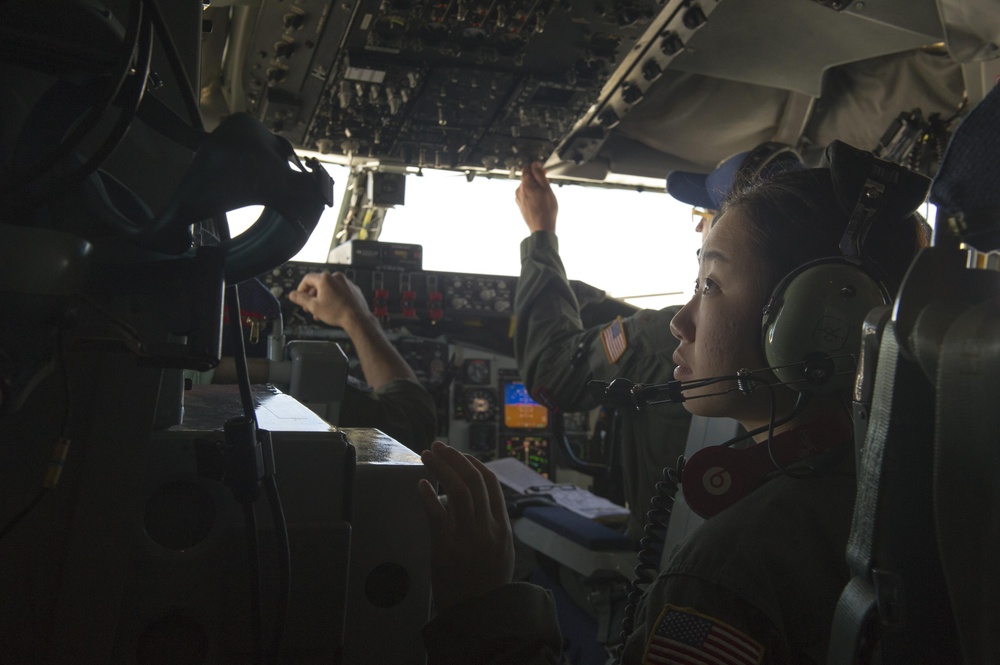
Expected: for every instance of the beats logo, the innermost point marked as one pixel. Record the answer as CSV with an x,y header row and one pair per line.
x,y
717,481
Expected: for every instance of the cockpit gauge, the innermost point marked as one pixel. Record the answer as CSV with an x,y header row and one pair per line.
x,y
476,371
480,404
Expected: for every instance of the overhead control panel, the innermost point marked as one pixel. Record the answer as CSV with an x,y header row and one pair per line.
x,y
445,84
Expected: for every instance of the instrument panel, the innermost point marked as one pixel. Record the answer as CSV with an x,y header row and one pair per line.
x,y
467,306
492,413
426,83
455,331
483,406
471,307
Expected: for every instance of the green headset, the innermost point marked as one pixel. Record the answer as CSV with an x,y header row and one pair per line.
x,y
812,322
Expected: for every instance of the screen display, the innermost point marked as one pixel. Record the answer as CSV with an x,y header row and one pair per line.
x,y
520,411
532,450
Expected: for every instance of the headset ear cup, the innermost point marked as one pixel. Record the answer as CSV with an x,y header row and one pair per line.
x,y
812,324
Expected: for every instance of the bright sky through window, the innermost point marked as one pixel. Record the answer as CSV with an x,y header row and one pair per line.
x,y
635,245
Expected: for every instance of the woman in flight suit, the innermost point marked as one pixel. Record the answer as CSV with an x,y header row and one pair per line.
x,y
558,355
759,581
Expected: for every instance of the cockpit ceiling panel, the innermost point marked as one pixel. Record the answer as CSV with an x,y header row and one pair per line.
x,y
595,89
702,120
789,44
435,84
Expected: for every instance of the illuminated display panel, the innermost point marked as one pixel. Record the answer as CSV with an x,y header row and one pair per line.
x,y
520,411
532,450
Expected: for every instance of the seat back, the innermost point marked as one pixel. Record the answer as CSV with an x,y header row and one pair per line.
x,y
967,459
896,599
925,529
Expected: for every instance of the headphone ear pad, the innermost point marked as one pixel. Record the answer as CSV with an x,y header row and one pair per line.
x,y
813,322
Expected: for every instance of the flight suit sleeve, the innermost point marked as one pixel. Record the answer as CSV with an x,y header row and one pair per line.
x,y
557,356
689,619
512,625
401,408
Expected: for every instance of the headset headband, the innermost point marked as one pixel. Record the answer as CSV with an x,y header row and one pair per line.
x,y
764,155
869,188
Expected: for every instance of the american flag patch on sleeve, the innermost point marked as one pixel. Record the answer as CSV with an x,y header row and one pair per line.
x,y
614,340
682,636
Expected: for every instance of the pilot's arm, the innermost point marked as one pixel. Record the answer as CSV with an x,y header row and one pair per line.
x,y
555,353
481,616
398,404
558,356
336,301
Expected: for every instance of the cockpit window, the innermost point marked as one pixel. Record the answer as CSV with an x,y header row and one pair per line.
x,y
635,245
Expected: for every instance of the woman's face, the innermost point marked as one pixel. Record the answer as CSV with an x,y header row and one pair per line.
x,y
719,328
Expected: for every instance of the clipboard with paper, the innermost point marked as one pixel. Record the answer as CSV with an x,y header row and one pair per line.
x,y
517,476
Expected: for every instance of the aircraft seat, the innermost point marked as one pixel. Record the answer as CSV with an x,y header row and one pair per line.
x,y
924,534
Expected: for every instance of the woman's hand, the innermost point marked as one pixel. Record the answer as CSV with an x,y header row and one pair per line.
x,y
472,550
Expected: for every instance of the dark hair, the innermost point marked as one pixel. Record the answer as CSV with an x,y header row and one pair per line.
x,y
795,218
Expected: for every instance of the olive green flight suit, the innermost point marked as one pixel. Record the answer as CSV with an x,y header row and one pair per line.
x,y
401,408
769,569
556,357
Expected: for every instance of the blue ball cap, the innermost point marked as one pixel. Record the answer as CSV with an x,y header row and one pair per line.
x,y
710,190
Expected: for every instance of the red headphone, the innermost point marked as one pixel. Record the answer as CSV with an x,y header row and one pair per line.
x,y
716,477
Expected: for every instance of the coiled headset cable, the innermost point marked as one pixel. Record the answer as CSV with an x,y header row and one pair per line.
x,y
650,547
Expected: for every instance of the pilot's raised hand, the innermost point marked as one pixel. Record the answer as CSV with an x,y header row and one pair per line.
x,y
472,550
330,298
535,199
